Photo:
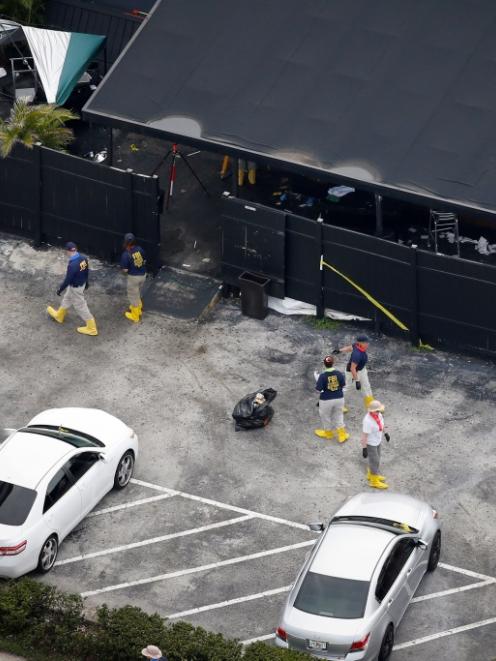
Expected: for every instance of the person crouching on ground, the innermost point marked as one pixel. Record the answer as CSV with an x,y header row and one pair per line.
x,y
372,431
74,286
330,384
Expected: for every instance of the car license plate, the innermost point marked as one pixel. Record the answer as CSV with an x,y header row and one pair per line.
x,y
317,645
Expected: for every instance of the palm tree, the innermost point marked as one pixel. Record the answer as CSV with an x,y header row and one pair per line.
x,y
31,124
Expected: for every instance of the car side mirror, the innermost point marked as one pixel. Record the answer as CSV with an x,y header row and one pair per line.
x,y
102,457
422,544
316,527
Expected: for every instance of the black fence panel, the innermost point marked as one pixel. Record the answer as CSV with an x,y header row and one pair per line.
x,y
457,301
381,268
253,239
303,278
440,299
93,18
55,197
19,191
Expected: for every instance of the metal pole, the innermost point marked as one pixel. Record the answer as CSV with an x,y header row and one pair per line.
x,y
110,148
320,307
379,229
414,323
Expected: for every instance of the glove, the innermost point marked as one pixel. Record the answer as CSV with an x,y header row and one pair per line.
x,y
358,385
387,436
87,286
317,404
365,453
59,292
335,352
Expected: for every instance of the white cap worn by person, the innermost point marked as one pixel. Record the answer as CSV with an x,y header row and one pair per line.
x,y
152,652
375,406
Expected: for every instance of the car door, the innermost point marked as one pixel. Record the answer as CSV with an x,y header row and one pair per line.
x,y
62,507
392,585
92,477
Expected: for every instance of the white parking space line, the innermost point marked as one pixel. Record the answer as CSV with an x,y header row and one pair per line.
x,y
230,602
133,503
9,430
466,572
215,503
444,593
155,540
443,634
195,570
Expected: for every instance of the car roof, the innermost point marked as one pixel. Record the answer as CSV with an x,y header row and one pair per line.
x,y
391,506
350,551
26,457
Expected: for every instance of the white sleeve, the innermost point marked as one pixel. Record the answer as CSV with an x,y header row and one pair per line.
x,y
366,425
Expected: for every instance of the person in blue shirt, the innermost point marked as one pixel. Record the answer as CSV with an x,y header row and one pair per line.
x,y
133,264
73,287
356,369
330,384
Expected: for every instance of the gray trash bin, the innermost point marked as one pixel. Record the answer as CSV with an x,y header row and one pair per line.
x,y
254,294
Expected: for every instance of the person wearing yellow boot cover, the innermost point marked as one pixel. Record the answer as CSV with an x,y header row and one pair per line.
x,y
74,286
372,430
330,385
133,264
356,369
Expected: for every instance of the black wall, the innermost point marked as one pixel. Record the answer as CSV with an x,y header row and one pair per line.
x,y
54,197
442,300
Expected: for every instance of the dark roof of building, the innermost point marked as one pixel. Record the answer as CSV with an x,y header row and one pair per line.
x,y
399,95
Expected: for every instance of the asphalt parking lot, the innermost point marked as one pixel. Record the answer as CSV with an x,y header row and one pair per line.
x,y
212,529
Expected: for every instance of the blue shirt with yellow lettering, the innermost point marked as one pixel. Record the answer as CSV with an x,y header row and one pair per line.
x,y
134,261
359,357
77,272
330,384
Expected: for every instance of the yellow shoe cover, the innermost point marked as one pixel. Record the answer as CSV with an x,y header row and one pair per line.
x,y
58,315
134,315
367,400
89,329
324,433
376,483
342,435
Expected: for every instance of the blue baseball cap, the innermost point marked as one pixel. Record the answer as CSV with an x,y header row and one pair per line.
x,y
362,338
70,245
129,237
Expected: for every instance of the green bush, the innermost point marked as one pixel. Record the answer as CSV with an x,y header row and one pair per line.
x,y
31,612
40,622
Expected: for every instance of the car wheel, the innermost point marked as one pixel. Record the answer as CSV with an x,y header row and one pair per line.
x,y
387,644
124,470
435,552
48,554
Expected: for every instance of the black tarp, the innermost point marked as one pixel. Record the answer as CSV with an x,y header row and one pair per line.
x,y
395,93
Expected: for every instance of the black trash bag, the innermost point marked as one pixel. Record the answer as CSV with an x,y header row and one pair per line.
x,y
248,414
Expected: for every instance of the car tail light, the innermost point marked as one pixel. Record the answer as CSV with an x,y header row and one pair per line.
x,y
435,515
360,645
13,550
280,633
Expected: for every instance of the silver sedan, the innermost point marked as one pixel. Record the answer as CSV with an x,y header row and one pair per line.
x,y
358,580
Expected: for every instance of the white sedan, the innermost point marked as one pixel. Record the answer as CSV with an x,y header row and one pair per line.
x,y
52,473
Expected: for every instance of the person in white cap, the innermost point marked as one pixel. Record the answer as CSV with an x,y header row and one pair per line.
x,y
372,431
153,652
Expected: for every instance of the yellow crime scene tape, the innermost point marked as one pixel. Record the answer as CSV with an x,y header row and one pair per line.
x,y
374,301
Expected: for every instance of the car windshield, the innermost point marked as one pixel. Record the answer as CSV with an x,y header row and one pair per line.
x,y
399,527
75,438
329,596
15,503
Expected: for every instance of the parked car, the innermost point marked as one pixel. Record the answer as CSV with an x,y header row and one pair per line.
x,y
52,473
359,578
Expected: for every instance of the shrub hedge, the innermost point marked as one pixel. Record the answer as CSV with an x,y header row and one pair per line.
x,y
41,622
